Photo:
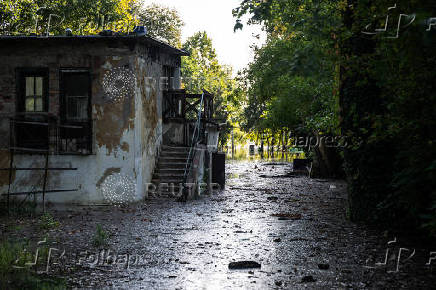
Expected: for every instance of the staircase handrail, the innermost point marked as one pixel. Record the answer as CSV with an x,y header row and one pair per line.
x,y
194,143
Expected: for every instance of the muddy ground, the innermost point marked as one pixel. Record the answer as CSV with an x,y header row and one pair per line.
x,y
295,227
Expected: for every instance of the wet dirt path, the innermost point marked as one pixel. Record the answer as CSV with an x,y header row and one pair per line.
x,y
172,245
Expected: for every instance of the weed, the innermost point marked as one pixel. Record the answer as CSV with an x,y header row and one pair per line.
x,y
47,222
15,274
100,237
16,208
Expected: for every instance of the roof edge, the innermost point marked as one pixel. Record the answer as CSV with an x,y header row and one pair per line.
x,y
145,38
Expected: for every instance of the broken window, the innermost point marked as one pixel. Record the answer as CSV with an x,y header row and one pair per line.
x,y
75,122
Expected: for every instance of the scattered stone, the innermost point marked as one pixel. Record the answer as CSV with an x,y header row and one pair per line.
x,y
284,219
244,265
278,176
287,216
308,279
323,266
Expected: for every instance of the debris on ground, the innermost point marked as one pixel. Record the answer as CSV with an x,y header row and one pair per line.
x,y
323,266
308,279
287,216
162,244
244,265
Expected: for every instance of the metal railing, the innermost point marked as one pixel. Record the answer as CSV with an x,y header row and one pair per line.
x,y
49,135
194,143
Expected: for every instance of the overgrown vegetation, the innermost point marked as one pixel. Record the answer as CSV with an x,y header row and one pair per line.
x,y
318,73
18,209
47,222
100,237
15,274
83,17
202,70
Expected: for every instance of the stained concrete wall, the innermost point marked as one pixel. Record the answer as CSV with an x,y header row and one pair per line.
x,y
127,134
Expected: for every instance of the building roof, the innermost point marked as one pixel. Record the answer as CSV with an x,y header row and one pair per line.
x,y
91,38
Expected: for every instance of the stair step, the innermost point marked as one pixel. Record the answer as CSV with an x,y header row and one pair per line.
x,y
169,187
172,159
166,148
174,154
162,169
170,170
168,176
171,165
175,181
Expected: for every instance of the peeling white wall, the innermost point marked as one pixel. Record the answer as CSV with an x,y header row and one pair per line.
x,y
131,152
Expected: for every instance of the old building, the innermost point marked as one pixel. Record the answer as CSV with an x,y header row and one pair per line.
x,y
82,117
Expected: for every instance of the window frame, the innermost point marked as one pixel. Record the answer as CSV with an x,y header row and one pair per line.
x,y
21,75
63,108
168,77
63,103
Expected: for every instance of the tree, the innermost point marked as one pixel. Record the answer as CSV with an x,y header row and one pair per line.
x,y
385,91
293,79
83,17
202,70
163,23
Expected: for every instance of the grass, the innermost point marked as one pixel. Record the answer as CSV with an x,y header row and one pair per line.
x,y
14,274
47,222
18,208
100,237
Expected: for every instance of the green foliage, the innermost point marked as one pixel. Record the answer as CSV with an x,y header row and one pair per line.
x,y
163,23
294,76
100,237
389,103
202,70
15,274
83,17
18,208
319,73
47,222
